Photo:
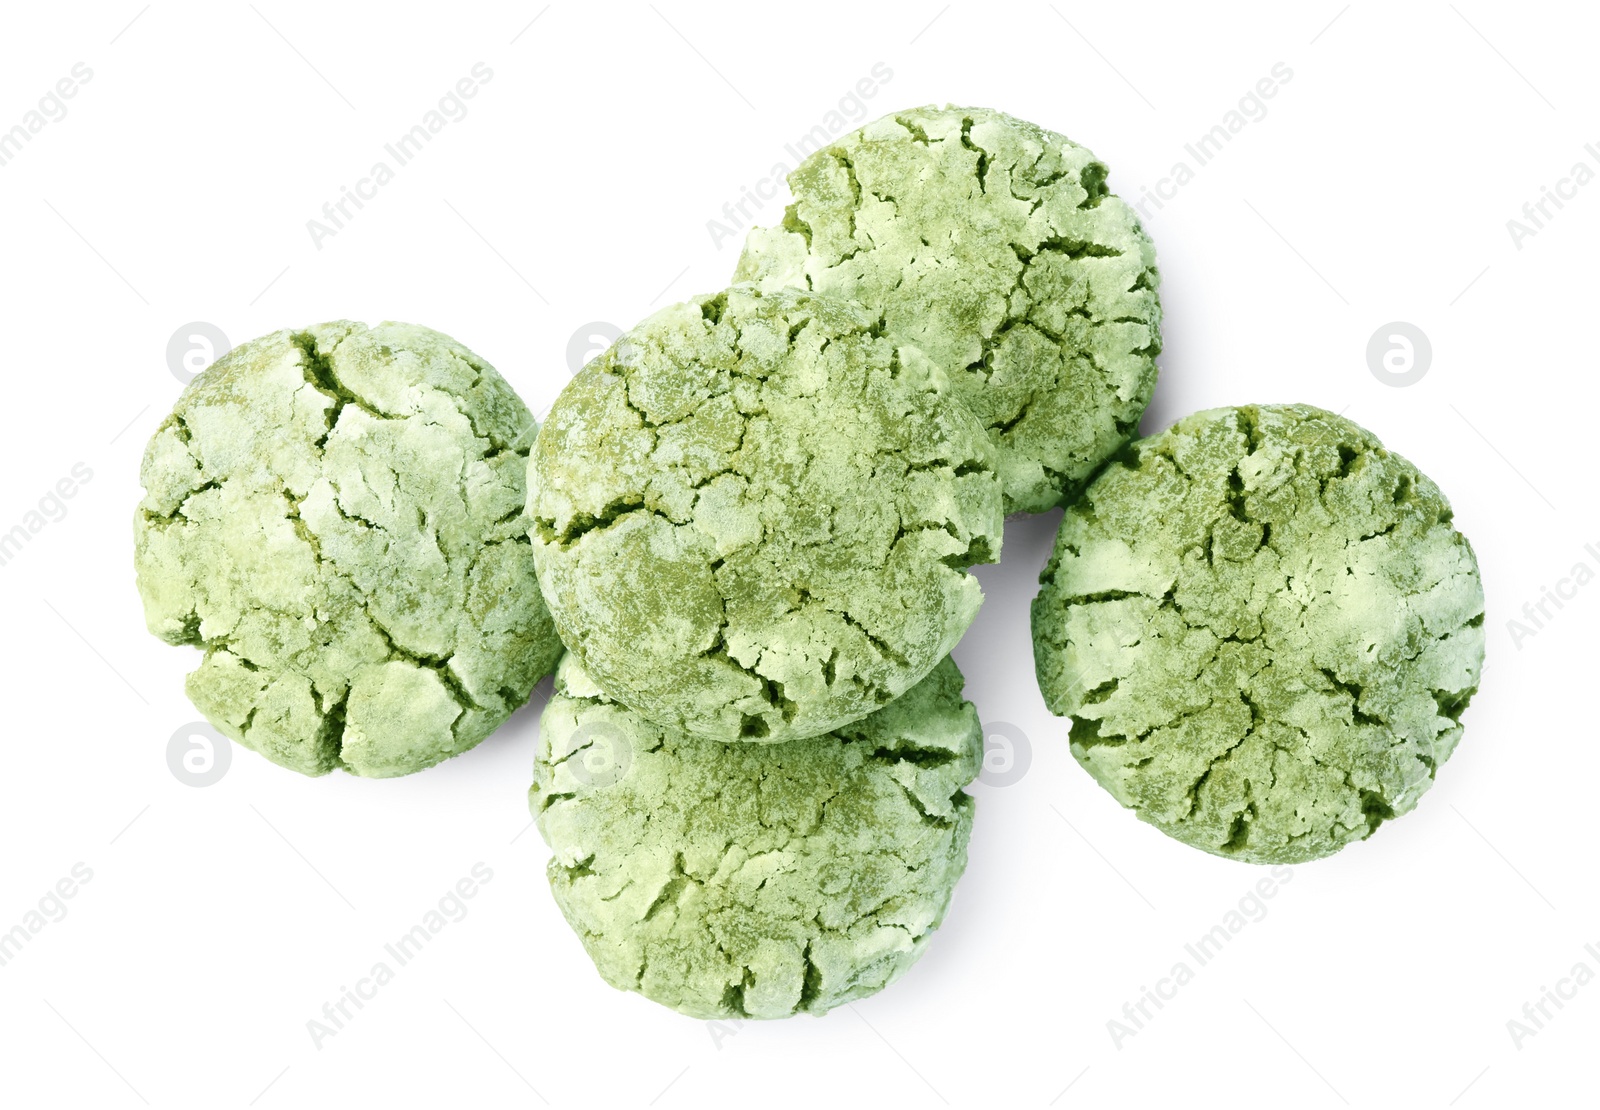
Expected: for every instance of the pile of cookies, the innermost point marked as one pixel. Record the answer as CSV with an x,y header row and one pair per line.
x,y
745,532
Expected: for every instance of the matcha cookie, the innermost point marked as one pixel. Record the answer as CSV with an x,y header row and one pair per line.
x,y
1264,629
994,246
752,516
755,880
335,517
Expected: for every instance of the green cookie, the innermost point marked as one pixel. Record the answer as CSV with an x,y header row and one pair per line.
x,y
335,517
994,246
1265,630
752,516
754,880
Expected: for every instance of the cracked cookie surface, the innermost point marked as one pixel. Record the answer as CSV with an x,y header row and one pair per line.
x,y
994,246
1265,630
750,880
335,517
752,516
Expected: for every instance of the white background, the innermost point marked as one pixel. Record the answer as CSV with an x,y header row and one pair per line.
x,y
578,188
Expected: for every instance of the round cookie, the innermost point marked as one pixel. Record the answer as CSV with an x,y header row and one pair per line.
x,y
752,516
335,517
755,880
1264,629
995,247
